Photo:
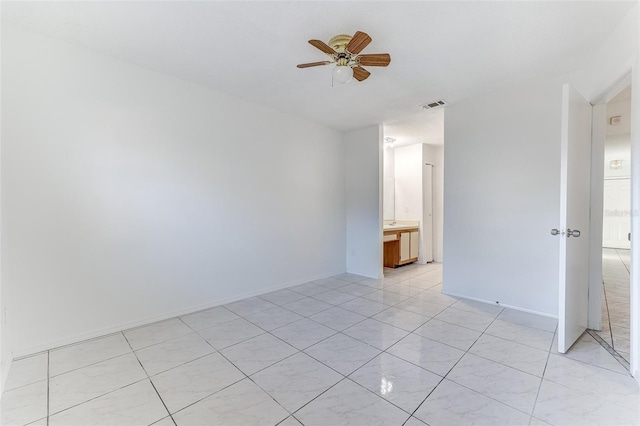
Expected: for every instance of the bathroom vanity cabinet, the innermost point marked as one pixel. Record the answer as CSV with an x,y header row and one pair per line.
x,y
401,246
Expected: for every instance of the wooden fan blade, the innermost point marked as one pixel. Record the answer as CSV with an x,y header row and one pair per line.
x,y
319,44
375,59
314,64
360,73
358,42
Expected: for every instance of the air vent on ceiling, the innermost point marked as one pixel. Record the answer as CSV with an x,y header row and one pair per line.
x,y
434,104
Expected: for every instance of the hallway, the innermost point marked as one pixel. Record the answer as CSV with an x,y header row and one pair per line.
x,y
615,306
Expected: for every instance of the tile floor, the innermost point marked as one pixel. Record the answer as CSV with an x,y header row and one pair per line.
x,y
337,351
616,300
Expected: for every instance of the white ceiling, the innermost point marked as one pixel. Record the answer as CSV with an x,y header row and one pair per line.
x,y
448,50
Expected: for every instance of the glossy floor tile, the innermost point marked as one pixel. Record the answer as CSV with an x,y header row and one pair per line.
x,y
344,350
616,300
453,404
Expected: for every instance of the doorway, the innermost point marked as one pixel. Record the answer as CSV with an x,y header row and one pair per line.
x,y
413,187
616,226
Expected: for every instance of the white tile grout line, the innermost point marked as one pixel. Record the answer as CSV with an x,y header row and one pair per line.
x,y
606,303
544,370
149,378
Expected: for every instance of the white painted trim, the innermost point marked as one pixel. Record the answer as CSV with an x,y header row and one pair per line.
x,y
381,197
598,137
564,175
635,220
489,302
56,343
615,88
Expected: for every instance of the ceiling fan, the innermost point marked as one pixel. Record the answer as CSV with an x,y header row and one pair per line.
x,y
344,51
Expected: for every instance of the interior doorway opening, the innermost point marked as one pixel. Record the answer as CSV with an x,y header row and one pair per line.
x,y
616,227
413,188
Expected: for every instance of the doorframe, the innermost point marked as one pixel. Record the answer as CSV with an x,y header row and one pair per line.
x,y
632,77
635,219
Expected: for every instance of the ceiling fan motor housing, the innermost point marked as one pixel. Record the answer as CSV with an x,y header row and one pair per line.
x,y
339,42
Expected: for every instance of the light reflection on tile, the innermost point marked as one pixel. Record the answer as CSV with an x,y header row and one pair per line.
x,y
404,384
349,404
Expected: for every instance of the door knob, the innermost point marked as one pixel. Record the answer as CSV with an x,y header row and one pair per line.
x,y
574,233
555,231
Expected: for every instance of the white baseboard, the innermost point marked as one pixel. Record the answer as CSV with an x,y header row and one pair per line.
x,y
489,302
57,343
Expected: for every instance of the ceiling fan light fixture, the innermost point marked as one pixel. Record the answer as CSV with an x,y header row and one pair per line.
x,y
344,51
342,74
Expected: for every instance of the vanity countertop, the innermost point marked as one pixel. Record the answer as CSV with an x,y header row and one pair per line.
x,y
398,227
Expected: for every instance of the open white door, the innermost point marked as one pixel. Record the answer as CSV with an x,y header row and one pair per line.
x,y
575,180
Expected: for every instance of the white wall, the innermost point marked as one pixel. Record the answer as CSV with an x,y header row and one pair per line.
x,y
388,187
612,60
501,197
363,165
130,196
408,169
